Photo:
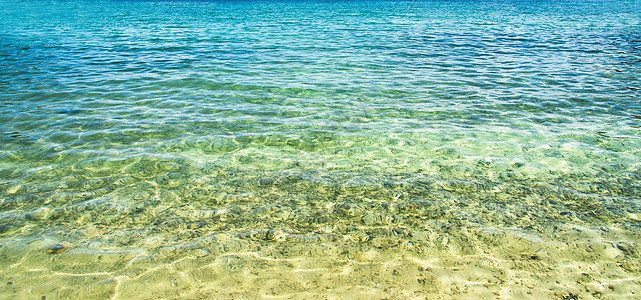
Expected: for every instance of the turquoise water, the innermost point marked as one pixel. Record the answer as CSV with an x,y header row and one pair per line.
x,y
203,148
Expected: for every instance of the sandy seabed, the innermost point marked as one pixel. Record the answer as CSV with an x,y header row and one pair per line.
x,y
241,236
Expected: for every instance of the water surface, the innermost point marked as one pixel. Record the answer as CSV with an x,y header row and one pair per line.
x,y
320,148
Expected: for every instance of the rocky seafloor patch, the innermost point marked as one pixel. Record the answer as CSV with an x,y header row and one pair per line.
x,y
196,233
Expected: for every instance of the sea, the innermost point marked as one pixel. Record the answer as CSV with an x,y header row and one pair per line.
x,y
328,149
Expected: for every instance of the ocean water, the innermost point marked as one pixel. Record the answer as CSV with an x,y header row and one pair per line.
x,y
338,149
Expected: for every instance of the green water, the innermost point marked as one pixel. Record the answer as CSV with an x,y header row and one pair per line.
x,y
369,149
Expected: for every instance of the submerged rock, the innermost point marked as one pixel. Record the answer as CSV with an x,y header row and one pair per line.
x,y
9,228
38,214
59,248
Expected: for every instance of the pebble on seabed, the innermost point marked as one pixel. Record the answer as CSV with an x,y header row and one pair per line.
x,y
59,248
38,214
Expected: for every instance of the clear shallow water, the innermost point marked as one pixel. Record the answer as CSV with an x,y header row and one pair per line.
x,y
196,148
